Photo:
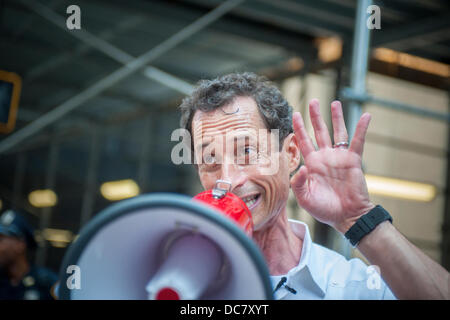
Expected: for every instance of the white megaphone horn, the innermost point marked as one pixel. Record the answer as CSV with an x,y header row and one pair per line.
x,y
166,246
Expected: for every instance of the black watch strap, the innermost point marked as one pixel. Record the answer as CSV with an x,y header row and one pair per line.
x,y
366,224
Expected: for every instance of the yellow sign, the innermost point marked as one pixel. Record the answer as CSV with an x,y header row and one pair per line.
x,y
10,86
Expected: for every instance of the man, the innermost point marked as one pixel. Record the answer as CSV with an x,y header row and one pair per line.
x,y
19,280
330,186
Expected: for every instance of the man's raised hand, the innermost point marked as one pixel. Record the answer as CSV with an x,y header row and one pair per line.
x,y
331,184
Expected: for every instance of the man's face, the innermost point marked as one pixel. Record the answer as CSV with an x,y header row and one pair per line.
x,y
229,143
10,249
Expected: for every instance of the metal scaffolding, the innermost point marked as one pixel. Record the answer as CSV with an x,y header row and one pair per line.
x,y
357,95
131,65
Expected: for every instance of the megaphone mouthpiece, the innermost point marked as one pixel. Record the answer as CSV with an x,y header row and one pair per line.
x,y
193,262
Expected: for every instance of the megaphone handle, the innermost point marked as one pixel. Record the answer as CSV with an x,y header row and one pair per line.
x,y
218,192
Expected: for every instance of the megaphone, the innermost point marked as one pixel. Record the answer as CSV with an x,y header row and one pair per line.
x,y
167,247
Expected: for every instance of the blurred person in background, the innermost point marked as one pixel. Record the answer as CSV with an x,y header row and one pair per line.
x,y
19,279
330,186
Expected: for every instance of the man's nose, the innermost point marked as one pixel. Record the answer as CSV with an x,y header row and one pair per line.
x,y
232,173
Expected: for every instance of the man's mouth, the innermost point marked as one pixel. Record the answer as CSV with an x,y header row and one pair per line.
x,y
252,200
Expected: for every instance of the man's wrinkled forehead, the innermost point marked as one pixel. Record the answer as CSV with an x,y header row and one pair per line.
x,y
241,116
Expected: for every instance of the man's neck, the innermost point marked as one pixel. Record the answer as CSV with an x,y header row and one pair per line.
x,y
280,246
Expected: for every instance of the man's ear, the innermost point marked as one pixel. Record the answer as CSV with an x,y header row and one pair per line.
x,y
292,149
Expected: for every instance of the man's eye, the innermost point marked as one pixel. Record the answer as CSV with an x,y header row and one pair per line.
x,y
249,150
247,155
209,163
209,159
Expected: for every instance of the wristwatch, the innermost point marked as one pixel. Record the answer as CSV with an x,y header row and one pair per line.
x,y
366,223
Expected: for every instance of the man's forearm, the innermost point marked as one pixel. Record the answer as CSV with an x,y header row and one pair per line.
x,y
409,273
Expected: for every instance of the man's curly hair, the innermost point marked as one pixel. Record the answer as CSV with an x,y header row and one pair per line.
x,y
212,94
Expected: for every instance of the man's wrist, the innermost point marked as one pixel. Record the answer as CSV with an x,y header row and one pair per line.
x,y
381,235
366,224
347,224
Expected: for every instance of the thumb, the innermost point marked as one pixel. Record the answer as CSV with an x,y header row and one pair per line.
x,y
298,182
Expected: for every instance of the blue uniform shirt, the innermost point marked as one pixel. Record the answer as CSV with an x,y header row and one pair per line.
x,y
35,285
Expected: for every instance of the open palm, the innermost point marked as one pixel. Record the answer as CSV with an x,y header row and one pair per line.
x,y
331,184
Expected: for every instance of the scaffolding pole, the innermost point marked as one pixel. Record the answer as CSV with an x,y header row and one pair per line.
x,y
110,50
348,94
359,66
19,178
46,214
88,202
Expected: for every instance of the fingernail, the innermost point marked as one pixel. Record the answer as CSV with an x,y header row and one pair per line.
x,y
336,103
314,101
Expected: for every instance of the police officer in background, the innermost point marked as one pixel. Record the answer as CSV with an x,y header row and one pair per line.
x,y
19,280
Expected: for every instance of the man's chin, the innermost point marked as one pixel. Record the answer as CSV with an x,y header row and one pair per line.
x,y
266,223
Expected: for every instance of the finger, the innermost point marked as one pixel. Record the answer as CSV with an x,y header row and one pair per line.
x,y
357,144
299,183
339,130
304,140
320,128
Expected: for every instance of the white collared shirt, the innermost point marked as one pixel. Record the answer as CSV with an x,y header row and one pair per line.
x,y
325,274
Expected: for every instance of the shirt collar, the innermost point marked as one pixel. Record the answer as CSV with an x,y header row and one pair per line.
x,y
308,258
